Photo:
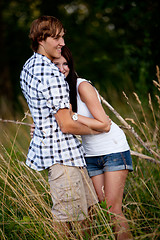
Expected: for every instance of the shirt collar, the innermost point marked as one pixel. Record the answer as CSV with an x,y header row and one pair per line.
x,y
38,55
44,58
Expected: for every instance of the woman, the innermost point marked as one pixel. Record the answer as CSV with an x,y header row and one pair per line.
x,y
107,154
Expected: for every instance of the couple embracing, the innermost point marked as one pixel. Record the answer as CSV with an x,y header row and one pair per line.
x,y
62,106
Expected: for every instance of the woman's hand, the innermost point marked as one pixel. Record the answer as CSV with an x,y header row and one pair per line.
x,y
108,124
32,130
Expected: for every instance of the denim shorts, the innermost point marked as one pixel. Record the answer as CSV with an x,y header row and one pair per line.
x,y
107,163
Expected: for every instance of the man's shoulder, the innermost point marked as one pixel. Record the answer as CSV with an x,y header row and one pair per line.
x,y
35,60
41,66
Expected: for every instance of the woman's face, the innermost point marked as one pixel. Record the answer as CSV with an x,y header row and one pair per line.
x,y
62,64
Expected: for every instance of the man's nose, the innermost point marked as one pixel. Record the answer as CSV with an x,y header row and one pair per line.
x,y
62,43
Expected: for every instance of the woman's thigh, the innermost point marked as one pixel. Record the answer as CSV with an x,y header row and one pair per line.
x,y
114,184
98,183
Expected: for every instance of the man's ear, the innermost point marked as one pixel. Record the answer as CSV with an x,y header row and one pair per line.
x,y
40,42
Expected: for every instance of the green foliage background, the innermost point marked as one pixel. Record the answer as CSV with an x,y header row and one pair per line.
x,y
115,43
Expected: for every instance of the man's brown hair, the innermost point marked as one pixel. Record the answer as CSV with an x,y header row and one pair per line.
x,y
43,27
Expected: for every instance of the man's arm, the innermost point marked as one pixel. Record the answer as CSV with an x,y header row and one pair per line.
x,y
68,125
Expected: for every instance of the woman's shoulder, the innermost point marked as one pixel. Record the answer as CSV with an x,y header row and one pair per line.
x,y
79,80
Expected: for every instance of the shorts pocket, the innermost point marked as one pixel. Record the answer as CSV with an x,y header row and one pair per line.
x,y
68,189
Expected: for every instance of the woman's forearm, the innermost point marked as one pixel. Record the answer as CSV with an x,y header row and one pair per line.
x,y
95,124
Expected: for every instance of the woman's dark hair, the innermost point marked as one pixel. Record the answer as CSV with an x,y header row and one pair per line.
x,y
71,78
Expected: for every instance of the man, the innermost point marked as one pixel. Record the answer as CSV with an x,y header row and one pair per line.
x,y
53,146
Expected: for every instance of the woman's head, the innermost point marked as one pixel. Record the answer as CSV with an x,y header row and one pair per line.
x,y
66,66
65,62
62,64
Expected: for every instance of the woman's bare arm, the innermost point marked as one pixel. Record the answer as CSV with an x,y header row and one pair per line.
x,y
100,122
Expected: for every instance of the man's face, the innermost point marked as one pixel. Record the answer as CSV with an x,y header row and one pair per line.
x,y
51,47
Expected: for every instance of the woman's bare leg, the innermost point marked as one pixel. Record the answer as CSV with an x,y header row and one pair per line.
x,y
98,182
114,188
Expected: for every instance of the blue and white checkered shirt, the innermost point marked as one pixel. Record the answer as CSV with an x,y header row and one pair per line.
x,y
46,92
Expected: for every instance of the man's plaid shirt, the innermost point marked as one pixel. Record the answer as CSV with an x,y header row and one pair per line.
x,y
46,92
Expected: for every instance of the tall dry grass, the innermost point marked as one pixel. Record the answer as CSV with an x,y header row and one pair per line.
x,y
25,211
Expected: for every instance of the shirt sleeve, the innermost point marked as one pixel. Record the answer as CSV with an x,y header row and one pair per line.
x,y
56,93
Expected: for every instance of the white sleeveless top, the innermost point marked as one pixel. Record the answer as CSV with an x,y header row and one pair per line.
x,y
104,143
